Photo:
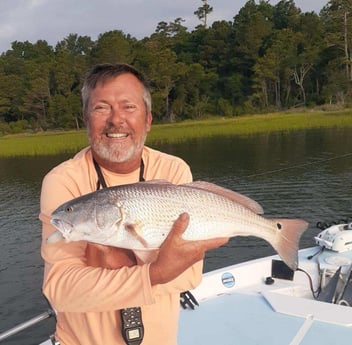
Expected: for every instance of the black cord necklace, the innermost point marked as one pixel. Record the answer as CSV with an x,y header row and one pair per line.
x,y
101,180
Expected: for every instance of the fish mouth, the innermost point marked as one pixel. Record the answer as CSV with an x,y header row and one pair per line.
x,y
64,227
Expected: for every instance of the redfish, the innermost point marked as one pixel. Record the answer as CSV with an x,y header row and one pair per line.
x,y
139,217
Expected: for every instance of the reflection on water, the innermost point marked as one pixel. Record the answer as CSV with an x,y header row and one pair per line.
x,y
303,174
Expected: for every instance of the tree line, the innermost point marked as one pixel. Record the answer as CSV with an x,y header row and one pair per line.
x,y
268,58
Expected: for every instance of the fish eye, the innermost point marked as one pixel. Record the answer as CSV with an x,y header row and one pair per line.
x,y
68,209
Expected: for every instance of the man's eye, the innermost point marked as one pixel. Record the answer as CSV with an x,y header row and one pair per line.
x,y
101,108
130,107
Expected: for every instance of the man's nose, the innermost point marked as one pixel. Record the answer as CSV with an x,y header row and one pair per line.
x,y
116,116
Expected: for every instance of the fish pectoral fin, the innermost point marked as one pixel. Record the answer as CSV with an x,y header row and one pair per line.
x,y
146,256
239,198
132,229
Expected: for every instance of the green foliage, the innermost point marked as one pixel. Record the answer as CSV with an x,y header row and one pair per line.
x,y
112,46
268,58
203,12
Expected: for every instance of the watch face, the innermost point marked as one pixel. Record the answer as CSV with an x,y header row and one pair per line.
x,y
133,333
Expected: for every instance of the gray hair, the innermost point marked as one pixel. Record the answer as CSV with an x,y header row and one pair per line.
x,y
104,72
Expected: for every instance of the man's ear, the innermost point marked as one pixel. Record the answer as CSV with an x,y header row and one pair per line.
x,y
149,121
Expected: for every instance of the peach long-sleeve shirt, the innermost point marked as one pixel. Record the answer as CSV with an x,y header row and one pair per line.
x,y
87,283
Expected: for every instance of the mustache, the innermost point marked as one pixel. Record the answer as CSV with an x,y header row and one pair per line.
x,y
110,128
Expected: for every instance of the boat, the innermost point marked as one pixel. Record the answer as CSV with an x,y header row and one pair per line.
x,y
263,301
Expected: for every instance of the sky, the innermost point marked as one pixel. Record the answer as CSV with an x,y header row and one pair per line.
x,y
54,20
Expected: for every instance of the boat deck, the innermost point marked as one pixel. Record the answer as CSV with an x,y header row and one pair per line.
x,y
249,319
237,307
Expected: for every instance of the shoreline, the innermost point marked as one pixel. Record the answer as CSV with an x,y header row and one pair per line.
x,y
52,143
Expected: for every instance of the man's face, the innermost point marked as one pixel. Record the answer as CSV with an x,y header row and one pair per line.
x,y
117,119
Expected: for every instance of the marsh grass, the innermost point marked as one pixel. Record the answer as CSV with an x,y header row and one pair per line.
x,y
248,125
42,143
62,142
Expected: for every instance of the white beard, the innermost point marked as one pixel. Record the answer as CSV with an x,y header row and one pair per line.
x,y
116,153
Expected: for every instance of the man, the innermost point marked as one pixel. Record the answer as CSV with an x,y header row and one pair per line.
x,y
89,284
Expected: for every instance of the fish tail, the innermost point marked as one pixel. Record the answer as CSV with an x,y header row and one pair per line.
x,y
287,244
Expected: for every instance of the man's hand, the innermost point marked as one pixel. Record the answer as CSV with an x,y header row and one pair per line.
x,y
177,254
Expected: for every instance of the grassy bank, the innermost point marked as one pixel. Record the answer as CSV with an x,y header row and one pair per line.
x,y
60,142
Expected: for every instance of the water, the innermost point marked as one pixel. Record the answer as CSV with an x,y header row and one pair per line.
x,y
21,267
301,174
305,174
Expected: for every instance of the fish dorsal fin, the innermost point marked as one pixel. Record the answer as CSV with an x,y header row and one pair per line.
x,y
227,193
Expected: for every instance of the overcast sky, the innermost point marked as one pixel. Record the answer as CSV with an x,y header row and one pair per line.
x,y
53,20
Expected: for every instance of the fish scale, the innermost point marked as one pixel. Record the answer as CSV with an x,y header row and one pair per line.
x,y
209,213
163,207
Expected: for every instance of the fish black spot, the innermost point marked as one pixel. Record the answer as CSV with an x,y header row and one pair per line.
x,y
279,226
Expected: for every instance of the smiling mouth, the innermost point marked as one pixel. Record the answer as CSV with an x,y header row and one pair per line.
x,y
117,135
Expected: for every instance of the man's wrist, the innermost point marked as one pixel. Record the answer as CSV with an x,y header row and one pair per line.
x,y
155,274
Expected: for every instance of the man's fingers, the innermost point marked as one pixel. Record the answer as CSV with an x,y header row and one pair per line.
x,y
214,243
176,254
180,224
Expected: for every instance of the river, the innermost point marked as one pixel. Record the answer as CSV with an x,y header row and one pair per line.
x,y
300,174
